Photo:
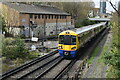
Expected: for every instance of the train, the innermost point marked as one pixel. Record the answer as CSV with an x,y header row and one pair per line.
x,y
70,41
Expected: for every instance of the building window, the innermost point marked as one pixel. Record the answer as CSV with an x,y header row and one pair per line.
x,y
49,16
55,17
46,16
31,16
42,16
65,17
60,17
39,16
52,16
35,16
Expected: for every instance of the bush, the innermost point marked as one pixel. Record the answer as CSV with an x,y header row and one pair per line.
x,y
14,48
78,25
84,22
113,57
33,54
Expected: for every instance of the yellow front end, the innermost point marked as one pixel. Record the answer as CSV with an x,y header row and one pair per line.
x,y
68,49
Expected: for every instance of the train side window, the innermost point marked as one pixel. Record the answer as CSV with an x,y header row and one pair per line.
x,y
79,38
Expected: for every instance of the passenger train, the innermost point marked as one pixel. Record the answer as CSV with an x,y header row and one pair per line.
x,y
71,41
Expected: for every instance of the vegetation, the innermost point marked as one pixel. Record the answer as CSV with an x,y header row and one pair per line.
x,y
113,57
2,24
14,53
84,22
14,48
94,53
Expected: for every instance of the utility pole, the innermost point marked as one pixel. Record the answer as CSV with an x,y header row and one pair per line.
x,y
56,24
44,33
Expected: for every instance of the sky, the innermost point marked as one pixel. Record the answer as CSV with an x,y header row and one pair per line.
x,y
108,6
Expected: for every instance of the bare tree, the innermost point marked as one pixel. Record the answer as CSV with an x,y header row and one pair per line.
x,y
118,11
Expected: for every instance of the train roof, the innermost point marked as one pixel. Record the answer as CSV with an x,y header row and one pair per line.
x,y
81,30
68,32
87,28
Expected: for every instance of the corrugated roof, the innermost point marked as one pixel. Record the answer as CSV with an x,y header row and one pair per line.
x,y
42,9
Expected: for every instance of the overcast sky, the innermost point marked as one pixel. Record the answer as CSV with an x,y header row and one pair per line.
x,y
108,6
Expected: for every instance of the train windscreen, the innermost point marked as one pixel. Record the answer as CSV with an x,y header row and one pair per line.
x,y
67,39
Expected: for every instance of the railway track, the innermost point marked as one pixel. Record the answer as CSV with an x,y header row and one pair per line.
x,y
77,70
26,68
49,66
57,70
39,70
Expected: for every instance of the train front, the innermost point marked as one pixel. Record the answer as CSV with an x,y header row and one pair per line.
x,y
67,44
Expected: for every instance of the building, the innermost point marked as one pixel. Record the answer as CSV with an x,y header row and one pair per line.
x,y
22,19
102,7
95,12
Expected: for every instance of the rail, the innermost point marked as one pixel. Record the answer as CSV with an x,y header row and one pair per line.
x,y
13,71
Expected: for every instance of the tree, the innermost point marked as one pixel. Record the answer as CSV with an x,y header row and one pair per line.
x,y
118,11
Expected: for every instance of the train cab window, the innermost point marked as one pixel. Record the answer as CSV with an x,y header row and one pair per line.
x,y
61,39
67,39
73,40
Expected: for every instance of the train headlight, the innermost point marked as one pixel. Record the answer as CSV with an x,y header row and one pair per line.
x,y
66,53
60,47
73,48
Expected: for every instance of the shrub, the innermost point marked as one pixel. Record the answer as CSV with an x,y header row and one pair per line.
x,y
84,22
14,48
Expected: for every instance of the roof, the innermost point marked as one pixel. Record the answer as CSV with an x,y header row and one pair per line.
x,y
68,32
42,9
96,8
83,29
99,19
86,28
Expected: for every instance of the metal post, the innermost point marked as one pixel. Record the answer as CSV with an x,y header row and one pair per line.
x,y
32,30
56,24
44,31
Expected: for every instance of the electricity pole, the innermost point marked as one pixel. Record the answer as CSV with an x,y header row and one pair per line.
x,y
44,33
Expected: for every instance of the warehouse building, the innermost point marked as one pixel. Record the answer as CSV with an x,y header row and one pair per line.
x,y
43,20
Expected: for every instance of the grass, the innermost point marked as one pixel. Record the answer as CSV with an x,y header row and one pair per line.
x,y
104,50
95,51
